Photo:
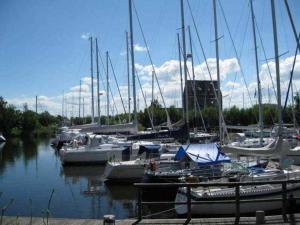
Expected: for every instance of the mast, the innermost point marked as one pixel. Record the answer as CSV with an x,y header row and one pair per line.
x,y
98,84
36,104
128,76
152,97
92,79
193,72
293,107
83,110
218,71
277,69
107,89
185,70
63,107
261,126
79,105
180,72
132,63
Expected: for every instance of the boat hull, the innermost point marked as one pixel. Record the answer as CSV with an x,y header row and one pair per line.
x,y
229,208
2,139
124,172
88,157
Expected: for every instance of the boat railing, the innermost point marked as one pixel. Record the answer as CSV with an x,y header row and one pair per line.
x,y
237,200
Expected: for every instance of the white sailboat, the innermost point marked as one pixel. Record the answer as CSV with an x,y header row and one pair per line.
x,y
91,154
212,194
132,170
126,171
2,138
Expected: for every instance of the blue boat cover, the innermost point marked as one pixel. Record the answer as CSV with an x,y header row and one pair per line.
x,y
202,153
149,148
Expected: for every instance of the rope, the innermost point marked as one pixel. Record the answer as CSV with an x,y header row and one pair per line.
x,y
265,56
153,68
242,48
208,69
236,53
146,106
114,104
116,83
194,92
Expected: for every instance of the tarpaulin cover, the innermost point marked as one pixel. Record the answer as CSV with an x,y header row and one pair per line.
x,y
202,153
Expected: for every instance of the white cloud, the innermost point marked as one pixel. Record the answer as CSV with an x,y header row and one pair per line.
x,y
169,70
83,88
169,80
232,84
139,48
86,35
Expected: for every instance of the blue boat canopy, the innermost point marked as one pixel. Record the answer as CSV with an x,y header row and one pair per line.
x,y
149,148
202,153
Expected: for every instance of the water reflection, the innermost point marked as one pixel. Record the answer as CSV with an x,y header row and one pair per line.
x,y
117,199
30,169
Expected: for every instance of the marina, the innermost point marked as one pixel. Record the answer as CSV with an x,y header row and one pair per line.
x,y
221,221
211,157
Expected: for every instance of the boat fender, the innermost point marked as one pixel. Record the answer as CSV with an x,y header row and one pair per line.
x,y
152,165
192,179
75,144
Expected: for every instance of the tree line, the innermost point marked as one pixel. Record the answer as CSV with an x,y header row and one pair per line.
x,y
14,122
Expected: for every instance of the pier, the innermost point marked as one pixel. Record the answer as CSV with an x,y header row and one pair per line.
x,y
274,220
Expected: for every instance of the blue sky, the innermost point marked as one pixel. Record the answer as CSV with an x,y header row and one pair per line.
x,y
42,51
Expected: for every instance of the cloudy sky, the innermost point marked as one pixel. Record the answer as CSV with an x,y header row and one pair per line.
x,y
44,49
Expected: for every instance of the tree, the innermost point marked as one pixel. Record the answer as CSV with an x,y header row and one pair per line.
x,y
29,121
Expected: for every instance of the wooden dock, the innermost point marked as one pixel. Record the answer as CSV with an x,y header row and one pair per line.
x,y
274,220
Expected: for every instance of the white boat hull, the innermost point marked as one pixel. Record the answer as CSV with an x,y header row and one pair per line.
x,y
2,138
89,156
124,171
230,208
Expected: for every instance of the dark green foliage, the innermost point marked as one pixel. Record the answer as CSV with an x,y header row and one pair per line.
x,y
15,122
29,122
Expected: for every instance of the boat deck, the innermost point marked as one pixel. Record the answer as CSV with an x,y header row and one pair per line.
x,y
274,220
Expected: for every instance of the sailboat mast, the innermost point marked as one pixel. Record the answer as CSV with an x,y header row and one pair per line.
x,y
63,105
79,105
180,72
107,89
277,68
218,71
186,106
83,110
261,126
132,63
92,79
128,76
98,82
193,72
152,97
293,107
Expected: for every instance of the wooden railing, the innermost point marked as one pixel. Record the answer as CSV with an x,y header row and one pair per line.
x,y
238,201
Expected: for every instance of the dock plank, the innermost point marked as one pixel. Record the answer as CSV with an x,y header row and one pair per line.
x,y
274,220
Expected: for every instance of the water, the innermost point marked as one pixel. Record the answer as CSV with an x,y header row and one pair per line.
x,y
31,169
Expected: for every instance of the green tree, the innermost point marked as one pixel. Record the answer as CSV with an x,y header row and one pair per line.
x,y
29,122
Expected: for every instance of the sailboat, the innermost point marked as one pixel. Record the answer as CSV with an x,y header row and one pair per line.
x,y
271,191
2,138
217,194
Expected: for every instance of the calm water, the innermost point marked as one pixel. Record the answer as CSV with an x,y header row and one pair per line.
x,y
30,169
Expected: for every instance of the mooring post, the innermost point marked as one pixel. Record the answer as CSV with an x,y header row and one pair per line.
x,y
139,204
284,201
189,214
237,203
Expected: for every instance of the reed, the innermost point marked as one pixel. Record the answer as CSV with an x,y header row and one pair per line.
x,y
47,211
3,209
